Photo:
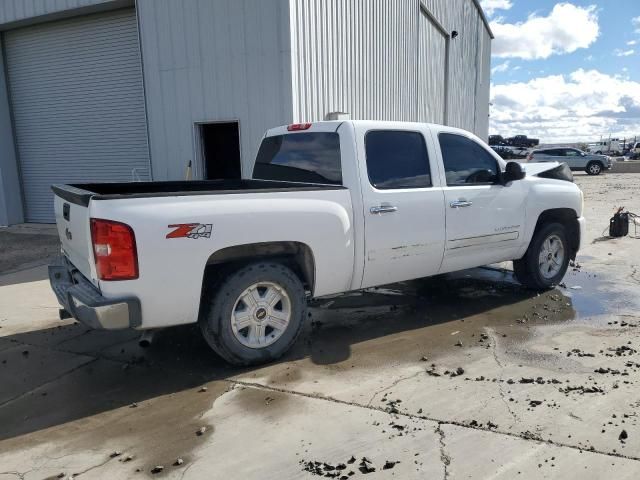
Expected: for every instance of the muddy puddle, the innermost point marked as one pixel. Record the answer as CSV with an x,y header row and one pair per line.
x,y
400,322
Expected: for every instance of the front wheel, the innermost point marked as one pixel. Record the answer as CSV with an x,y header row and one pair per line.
x,y
256,314
594,168
546,260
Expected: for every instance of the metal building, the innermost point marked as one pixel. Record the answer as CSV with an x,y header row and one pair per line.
x,y
117,90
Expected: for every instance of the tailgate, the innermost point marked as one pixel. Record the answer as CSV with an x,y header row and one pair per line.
x,y
72,220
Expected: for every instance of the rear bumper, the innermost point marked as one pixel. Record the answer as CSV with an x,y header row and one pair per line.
x,y
86,304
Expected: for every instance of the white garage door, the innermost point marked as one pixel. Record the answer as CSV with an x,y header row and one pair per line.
x,y
432,70
78,104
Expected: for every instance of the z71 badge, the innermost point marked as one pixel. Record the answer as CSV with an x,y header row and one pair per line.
x,y
190,230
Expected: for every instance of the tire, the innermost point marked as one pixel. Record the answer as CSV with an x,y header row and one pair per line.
x,y
242,297
529,270
594,168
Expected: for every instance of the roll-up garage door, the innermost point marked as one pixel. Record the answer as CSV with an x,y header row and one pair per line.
x,y
77,103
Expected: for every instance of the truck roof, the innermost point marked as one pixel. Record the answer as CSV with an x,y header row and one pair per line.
x,y
328,125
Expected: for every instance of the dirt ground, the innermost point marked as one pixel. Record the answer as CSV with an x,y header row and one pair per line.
x,y
469,376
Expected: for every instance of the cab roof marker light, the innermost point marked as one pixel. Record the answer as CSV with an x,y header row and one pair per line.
x,y
296,127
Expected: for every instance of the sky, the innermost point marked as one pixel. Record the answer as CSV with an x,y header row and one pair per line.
x,y
565,71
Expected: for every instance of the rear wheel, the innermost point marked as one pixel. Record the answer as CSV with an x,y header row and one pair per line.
x,y
256,314
594,168
546,260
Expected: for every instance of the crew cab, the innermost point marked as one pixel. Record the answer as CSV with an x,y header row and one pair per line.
x,y
574,158
330,207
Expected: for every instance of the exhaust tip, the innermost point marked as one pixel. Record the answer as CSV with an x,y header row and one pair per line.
x,y
146,339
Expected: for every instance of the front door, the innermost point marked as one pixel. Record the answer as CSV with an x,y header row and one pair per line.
x,y
485,219
573,158
403,205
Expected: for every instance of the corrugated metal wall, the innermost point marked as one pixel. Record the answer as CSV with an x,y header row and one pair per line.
x,y
469,63
357,56
213,61
432,72
362,57
15,10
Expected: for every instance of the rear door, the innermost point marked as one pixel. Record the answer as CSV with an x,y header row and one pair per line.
x,y
403,203
484,219
549,155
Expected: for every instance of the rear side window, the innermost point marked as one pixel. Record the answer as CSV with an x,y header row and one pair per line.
x,y
466,162
397,159
312,157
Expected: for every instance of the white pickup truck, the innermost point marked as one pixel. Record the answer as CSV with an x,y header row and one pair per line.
x,y
331,207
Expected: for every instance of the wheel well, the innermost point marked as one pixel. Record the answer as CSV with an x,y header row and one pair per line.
x,y
595,161
296,255
568,218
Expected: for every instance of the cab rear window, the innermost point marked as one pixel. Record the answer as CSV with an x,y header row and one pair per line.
x,y
312,157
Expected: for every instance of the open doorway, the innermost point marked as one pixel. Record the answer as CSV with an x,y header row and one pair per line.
x,y
220,142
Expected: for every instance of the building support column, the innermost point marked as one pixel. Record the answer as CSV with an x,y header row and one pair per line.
x,y
11,211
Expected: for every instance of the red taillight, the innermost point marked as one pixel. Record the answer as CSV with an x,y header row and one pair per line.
x,y
294,127
114,250
530,157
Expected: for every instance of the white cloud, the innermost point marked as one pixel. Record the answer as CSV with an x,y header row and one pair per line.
x,y
636,23
623,53
631,43
503,67
579,106
566,29
490,6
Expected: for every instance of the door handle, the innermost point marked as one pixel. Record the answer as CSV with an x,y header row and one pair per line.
x,y
383,209
460,203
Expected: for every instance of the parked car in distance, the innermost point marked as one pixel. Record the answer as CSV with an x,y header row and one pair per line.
x,y
522,141
574,158
330,207
496,140
510,153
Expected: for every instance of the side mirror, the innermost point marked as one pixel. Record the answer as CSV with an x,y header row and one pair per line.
x,y
513,172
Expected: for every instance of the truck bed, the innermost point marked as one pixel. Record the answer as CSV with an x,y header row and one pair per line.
x,y
81,193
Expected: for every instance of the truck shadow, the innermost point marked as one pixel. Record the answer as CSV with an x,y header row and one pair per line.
x,y
53,376
405,321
